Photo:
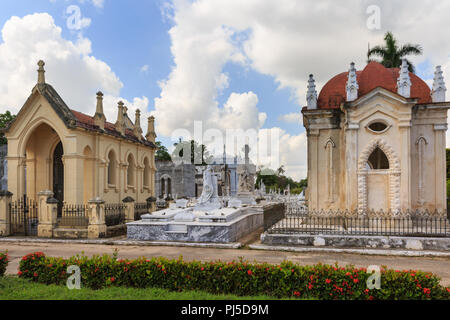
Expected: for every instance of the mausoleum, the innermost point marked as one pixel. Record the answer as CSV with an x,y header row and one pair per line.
x,y
77,156
376,140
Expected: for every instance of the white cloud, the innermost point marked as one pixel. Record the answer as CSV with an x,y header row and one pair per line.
x,y
70,67
96,3
286,39
294,117
144,69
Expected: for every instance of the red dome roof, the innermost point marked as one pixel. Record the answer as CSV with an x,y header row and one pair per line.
x,y
374,75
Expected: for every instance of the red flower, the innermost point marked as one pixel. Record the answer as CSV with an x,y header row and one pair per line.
x,y
292,270
348,274
413,274
202,269
448,289
371,298
113,279
24,258
426,290
310,286
35,274
366,291
355,280
125,269
328,281
297,293
249,272
20,273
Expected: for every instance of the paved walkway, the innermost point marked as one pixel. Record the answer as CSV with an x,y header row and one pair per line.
x,y
438,265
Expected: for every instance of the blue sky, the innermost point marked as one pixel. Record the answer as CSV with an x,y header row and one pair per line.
x,y
227,63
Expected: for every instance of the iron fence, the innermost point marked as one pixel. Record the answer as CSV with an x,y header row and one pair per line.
x,y
114,214
140,209
24,217
422,226
74,215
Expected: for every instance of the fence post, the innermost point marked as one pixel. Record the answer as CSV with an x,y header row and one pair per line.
x,y
47,214
5,215
151,204
129,209
97,226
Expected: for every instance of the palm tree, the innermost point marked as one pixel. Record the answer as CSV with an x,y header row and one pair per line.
x,y
391,54
281,170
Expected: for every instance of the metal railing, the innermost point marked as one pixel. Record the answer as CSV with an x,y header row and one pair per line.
x,y
74,215
24,217
114,214
408,223
140,209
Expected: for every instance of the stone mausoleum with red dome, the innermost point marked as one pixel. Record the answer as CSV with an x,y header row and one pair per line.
x,y
376,141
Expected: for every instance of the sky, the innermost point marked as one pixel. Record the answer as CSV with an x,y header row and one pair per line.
x,y
225,64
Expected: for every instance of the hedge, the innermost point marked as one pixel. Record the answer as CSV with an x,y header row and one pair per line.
x,y
4,259
237,277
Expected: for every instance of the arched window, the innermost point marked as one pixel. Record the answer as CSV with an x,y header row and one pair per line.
x,y
130,171
378,160
146,177
112,168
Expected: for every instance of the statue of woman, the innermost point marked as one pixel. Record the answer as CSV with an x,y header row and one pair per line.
x,y
208,186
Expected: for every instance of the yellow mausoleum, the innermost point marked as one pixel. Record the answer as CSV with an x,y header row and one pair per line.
x,y
76,156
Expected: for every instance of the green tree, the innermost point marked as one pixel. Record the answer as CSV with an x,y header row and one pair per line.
x,y
391,54
162,154
5,118
198,153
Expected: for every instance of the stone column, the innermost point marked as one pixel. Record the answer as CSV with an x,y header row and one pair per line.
x,y
313,171
97,225
440,168
48,214
129,209
351,167
73,179
5,217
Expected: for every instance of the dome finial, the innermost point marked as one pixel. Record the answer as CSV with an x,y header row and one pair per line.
x,y
439,89
404,81
311,95
352,84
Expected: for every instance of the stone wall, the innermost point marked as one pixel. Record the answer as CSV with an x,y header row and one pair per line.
x,y
357,241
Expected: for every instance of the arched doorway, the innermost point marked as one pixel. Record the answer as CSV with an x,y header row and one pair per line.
x,y
378,178
43,167
58,176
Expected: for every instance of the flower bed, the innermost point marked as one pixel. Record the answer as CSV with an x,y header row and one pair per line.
x,y
240,278
3,262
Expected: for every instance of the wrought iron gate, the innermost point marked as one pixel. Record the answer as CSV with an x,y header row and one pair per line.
x,y
24,217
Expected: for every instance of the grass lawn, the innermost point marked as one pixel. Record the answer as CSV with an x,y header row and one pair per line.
x,y
13,288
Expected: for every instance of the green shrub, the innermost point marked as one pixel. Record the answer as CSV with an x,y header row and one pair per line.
x,y
3,262
239,278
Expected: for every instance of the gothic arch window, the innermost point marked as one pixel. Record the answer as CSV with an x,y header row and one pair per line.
x,y
131,171
112,168
378,160
421,146
329,146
